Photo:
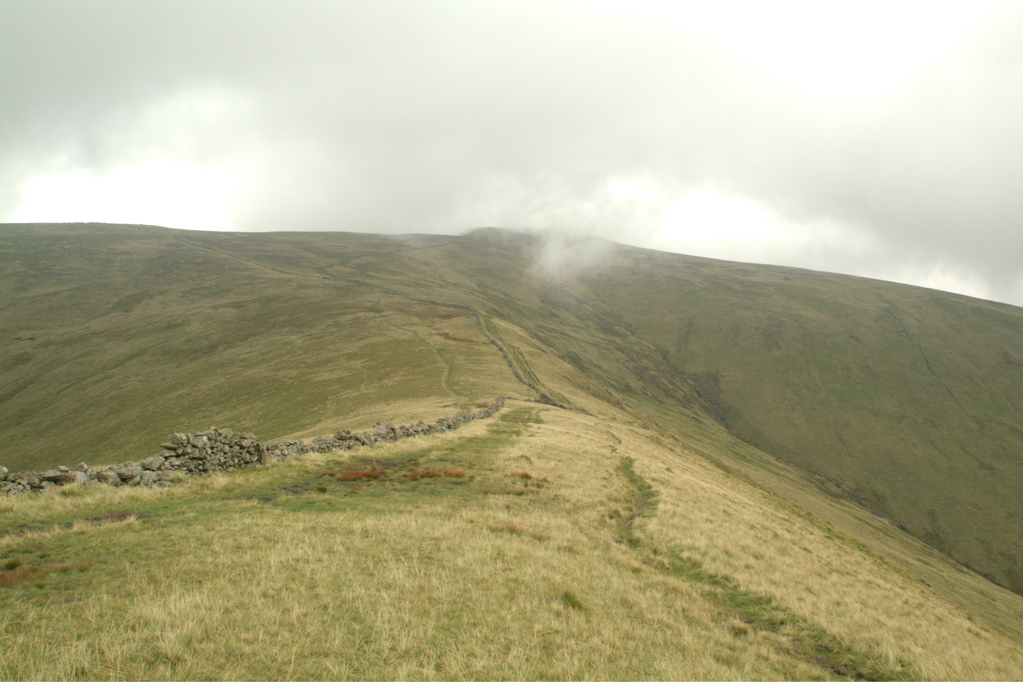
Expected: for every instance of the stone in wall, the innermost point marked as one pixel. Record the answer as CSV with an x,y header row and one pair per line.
x,y
222,450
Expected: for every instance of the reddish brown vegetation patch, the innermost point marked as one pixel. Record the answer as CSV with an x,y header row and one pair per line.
x,y
15,572
417,474
357,475
22,574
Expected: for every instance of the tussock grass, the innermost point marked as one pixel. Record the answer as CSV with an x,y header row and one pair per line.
x,y
736,533
22,574
512,527
16,572
210,583
571,601
617,568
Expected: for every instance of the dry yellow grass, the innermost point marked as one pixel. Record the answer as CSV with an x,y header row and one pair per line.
x,y
737,531
213,581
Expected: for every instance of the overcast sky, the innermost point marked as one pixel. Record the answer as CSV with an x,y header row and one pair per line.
x,y
882,139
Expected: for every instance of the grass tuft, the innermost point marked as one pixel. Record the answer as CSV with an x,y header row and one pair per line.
x,y
22,574
569,599
509,491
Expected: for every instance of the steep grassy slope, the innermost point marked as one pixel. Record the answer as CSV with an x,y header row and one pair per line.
x,y
632,533
574,547
910,400
905,399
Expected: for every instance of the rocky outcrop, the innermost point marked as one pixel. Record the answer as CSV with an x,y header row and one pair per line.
x,y
222,450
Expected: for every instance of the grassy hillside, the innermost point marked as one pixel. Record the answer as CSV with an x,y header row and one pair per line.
x,y
905,399
112,337
724,429
573,548
910,400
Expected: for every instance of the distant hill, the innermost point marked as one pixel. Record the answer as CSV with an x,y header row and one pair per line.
x,y
905,400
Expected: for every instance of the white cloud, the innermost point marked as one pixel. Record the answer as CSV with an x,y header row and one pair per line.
x,y
867,138
177,160
941,276
828,52
714,224
560,255
159,192
706,217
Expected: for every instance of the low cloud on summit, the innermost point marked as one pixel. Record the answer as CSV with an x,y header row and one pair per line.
x,y
880,139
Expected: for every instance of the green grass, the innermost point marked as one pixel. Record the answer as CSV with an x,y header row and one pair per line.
x,y
903,399
215,341
907,398
262,574
749,610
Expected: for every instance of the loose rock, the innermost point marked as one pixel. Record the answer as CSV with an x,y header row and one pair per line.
x,y
152,463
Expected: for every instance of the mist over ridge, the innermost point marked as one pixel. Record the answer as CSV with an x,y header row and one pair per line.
x,y
677,126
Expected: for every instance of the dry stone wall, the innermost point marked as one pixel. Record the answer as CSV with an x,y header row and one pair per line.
x,y
222,450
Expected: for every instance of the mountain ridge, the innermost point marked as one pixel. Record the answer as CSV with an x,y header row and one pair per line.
x,y
636,527
678,342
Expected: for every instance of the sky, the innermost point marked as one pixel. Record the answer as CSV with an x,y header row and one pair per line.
x,y
881,139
